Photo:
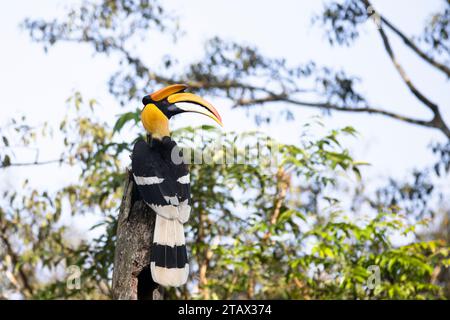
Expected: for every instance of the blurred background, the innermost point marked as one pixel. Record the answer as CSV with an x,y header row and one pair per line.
x,y
354,92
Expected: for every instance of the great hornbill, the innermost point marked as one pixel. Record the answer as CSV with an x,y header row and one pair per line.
x,y
163,183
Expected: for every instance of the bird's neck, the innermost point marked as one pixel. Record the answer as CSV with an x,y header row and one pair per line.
x,y
158,139
164,144
156,123
161,133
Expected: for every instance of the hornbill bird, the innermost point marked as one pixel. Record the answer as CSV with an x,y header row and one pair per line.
x,y
163,183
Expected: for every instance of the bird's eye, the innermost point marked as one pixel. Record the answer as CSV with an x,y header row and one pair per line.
x,y
146,100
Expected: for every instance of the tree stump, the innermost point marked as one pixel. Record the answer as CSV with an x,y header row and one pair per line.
x,y
132,278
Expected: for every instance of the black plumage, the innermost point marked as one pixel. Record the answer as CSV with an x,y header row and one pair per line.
x,y
163,184
153,159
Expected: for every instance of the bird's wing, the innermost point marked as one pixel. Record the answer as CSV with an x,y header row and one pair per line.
x,y
162,184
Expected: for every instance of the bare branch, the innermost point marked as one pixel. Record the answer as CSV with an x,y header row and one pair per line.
x,y
431,105
329,106
411,44
437,121
34,163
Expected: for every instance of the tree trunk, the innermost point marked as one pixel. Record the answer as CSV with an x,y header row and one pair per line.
x,y
131,275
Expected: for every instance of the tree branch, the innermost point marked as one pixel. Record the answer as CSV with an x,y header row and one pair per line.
x,y
34,163
329,106
445,69
283,183
16,263
431,105
437,121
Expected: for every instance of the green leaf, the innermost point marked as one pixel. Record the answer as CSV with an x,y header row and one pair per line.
x,y
124,118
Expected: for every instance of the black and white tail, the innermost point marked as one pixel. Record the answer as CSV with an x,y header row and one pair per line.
x,y
168,262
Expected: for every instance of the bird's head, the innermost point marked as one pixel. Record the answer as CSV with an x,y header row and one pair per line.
x,y
161,105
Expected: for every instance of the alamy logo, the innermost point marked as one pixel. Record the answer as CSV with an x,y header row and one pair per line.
x,y
219,151
73,278
374,280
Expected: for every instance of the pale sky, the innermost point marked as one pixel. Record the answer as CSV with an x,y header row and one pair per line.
x,y
37,84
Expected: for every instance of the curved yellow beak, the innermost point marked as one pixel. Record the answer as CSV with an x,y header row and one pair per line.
x,y
196,104
172,100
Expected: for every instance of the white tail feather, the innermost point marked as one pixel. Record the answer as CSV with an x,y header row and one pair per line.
x,y
168,232
173,277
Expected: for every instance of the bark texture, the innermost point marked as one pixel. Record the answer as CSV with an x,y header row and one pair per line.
x,y
131,275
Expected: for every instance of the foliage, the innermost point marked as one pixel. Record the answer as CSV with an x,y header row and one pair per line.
x,y
281,245
301,227
268,224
